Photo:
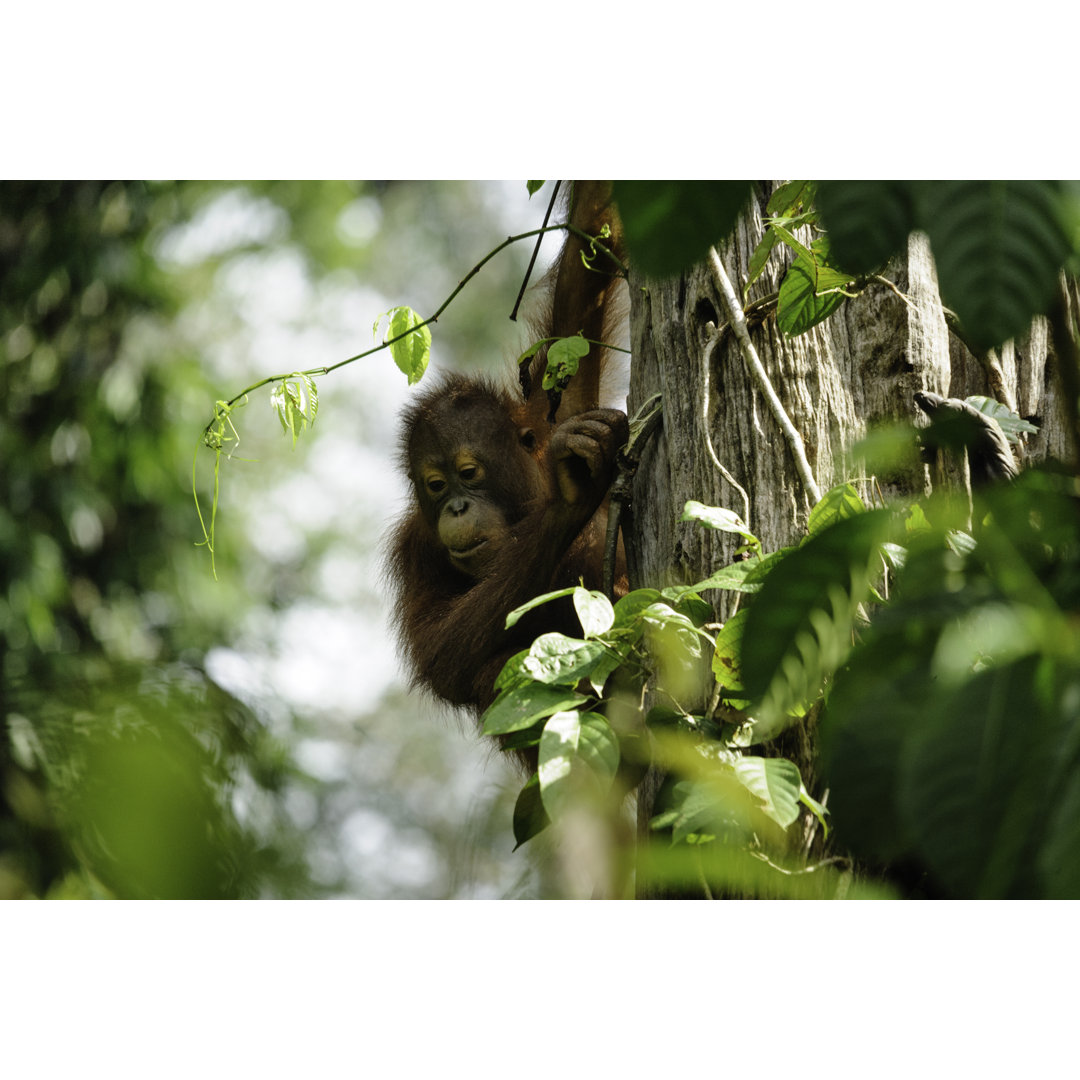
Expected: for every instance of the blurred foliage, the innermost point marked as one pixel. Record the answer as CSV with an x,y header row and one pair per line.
x,y
119,757
126,310
951,736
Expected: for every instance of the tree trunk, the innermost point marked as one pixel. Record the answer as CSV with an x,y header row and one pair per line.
x,y
860,367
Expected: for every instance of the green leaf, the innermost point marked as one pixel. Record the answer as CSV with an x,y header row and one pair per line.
x,y
974,787
628,609
804,297
837,504
999,246
555,659
876,702
606,665
411,352
746,576
563,358
868,221
670,224
558,749
731,577
759,259
513,672
799,626
697,610
534,186
296,400
530,817
814,807
522,706
727,658
516,614
792,241
598,748
793,194
595,612
715,517
776,782
532,350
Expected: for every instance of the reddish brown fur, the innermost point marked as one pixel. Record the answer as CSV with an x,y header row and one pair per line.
x,y
546,488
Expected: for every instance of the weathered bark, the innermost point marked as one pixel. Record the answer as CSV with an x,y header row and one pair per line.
x,y
860,367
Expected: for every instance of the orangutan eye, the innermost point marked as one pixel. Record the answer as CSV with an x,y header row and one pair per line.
x,y
435,485
469,472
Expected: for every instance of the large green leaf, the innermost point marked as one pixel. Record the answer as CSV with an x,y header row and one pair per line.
x,y
837,504
868,221
998,246
559,660
974,785
595,612
727,658
808,293
670,224
776,782
799,625
558,749
876,702
520,707
598,748
530,817
579,756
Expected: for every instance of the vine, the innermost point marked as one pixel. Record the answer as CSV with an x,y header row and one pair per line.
x,y
409,340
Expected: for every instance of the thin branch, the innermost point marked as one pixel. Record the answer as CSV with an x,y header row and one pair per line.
x,y
883,280
314,372
833,860
710,346
757,369
536,251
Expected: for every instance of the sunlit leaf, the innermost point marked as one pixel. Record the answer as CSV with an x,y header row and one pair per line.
x,y
563,358
522,706
516,614
296,401
558,749
598,748
726,662
411,341
808,293
815,808
629,607
559,660
760,258
837,504
716,517
792,195
776,782
595,612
